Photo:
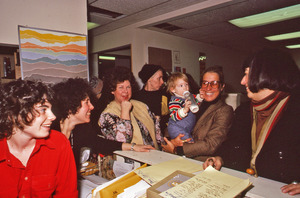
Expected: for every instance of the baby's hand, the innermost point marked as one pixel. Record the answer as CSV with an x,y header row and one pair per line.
x,y
187,106
201,94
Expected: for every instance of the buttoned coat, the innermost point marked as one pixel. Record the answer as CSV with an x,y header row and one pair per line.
x,y
210,131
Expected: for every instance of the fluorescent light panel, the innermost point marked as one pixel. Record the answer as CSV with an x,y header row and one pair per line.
x,y
293,46
284,36
107,57
91,25
268,17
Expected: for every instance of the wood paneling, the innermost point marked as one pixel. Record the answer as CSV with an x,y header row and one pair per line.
x,y
162,57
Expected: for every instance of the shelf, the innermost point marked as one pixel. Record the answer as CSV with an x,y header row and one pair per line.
x,y
13,59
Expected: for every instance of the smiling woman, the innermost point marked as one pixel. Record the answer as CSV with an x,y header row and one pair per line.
x,y
29,152
124,119
72,104
73,107
213,118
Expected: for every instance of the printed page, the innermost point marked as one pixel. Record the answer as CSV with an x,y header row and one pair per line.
x,y
210,184
157,172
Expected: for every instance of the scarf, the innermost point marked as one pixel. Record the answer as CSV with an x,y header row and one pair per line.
x,y
265,115
139,112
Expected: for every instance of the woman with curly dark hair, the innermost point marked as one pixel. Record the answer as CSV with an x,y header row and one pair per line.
x,y
124,119
72,104
72,107
34,160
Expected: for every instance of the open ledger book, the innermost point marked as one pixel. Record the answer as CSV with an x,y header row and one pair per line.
x,y
210,184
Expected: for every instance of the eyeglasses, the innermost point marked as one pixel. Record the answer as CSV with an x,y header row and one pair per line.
x,y
213,84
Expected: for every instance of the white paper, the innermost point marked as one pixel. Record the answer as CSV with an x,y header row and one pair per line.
x,y
120,168
135,191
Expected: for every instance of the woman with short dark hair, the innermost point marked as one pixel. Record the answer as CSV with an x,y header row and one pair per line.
x,y
272,69
125,119
214,119
264,138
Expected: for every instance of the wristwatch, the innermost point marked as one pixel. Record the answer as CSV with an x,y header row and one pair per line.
x,y
132,145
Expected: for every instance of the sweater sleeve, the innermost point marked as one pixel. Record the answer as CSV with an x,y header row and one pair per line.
x,y
175,107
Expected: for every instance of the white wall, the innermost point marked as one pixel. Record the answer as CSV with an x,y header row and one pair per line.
x,y
61,15
141,39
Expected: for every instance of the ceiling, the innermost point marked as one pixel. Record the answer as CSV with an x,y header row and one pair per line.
x,y
201,20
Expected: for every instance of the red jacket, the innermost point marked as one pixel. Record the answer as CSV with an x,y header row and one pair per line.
x,y
50,171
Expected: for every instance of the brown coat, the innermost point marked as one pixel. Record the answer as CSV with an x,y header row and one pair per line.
x,y
210,131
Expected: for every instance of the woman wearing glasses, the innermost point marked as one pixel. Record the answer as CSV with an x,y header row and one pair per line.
x,y
213,119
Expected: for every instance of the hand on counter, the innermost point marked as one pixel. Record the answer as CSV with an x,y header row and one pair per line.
x,y
137,147
291,189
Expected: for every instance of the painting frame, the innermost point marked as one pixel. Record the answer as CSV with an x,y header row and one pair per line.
x,y
176,57
52,56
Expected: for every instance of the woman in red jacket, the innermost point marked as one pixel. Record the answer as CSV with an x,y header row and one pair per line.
x,y
34,160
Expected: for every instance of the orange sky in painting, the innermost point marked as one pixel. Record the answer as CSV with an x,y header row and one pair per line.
x,y
68,48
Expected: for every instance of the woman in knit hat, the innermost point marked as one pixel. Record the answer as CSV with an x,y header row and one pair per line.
x,y
153,94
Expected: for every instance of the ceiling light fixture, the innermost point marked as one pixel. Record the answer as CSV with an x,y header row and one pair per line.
x,y
279,37
293,46
268,17
91,25
107,57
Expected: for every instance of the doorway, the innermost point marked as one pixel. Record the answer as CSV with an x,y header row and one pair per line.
x,y
108,59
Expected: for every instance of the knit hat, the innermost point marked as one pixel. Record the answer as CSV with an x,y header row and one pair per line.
x,y
148,70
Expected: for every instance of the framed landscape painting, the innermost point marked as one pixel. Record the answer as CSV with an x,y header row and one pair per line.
x,y
51,56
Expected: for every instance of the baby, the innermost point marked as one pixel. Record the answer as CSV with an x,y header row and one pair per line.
x,y
182,120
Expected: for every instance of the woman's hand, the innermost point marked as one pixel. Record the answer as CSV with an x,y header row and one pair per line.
x,y
125,110
215,162
178,141
142,148
168,147
137,147
291,189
